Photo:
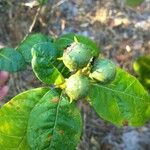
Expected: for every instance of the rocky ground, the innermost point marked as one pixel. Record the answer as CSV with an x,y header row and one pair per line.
x,y
122,33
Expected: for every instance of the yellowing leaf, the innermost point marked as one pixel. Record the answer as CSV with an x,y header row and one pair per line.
x,y
14,117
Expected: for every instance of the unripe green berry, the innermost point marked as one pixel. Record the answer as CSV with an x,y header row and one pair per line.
x,y
103,70
77,86
77,56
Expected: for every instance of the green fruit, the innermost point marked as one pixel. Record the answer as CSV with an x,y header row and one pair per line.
x,y
103,70
77,56
77,86
66,40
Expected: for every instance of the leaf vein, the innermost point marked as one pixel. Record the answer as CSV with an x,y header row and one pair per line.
x,y
109,89
5,57
130,84
10,135
55,122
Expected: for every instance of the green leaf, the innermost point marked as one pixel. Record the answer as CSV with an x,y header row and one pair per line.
x,y
54,123
134,3
65,40
42,2
123,102
11,60
14,119
142,68
32,39
43,63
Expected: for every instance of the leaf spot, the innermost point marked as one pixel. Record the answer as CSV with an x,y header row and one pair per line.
x,y
125,123
18,108
61,131
11,104
49,137
55,100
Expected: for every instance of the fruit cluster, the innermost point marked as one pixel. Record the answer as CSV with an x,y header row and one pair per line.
x,y
85,68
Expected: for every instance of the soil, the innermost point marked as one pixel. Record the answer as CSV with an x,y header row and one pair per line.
x,y
121,32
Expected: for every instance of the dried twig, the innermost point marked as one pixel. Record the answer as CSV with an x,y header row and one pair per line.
x,y
35,19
